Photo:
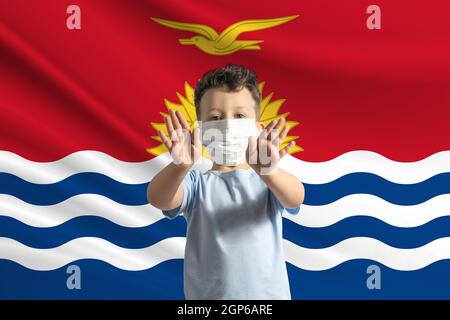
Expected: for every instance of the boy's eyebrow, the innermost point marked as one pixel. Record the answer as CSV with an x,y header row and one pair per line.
x,y
213,109
217,109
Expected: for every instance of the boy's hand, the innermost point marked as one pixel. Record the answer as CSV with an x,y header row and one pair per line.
x,y
184,145
263,153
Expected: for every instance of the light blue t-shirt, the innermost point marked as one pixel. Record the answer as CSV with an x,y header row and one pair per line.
x,y
234,247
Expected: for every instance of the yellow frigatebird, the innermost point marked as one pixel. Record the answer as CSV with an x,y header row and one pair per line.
x,y
225,43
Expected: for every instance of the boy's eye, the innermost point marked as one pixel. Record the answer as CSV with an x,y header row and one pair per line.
x,y
214,118
240,115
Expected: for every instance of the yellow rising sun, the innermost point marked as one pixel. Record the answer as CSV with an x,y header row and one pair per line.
x,y
268,112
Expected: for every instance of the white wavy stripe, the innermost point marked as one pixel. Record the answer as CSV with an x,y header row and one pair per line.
x,y
367,161
367,248
173,248
87,161
76,206
372,206
144,215
141,172
92,248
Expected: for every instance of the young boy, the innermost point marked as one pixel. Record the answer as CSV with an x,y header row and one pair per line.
x,y
234,246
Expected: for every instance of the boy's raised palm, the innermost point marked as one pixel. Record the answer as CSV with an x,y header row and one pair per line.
x,y
184,144
263,153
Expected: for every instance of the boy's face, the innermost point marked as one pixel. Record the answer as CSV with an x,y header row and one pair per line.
x,y
219,103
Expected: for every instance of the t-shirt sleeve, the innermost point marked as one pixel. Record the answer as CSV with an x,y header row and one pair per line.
x,y
188,184
277,204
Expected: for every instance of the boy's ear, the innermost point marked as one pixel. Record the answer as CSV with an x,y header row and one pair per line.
x,y
260,125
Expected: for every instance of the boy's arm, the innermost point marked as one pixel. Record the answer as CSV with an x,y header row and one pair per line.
x,y
289,191
286,188
165,191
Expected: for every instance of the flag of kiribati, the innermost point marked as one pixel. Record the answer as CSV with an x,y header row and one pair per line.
x,y
84,88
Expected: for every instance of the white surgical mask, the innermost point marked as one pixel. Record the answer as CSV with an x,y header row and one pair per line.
x,y
227,140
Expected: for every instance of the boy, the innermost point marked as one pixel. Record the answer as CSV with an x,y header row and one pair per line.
x,y
234,246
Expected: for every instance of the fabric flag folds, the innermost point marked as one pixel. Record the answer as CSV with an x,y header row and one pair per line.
x,y
79,110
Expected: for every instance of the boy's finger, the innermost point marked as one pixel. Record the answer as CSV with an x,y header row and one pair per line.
x,y
286,149
252,152
279,140
265,132
279,124
197,141
284,132
167,143
274,133
276,129
170,129
182,120
176,123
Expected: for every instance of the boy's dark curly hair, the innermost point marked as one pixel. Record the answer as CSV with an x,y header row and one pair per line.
x,y
232,77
